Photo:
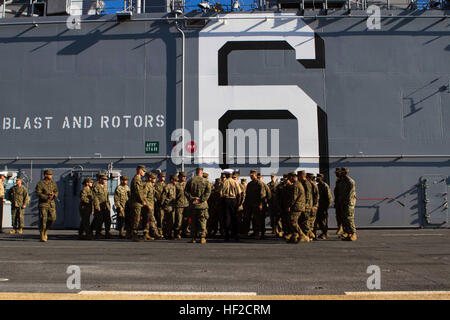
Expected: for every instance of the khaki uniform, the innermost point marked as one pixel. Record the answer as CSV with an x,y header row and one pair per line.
x,y
160,190
296,201
148,212
137,201
229,194
19,198
47,209
347,202
169,204
86,209
102,213
325,202
254,197
198,188
181,212
121,202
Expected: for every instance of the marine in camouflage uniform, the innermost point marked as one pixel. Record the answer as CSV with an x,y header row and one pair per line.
x,y
325,202
121,202
241,208
295,206
315,204
347,202
282,203
305,216
2,199
254,201
160,190
339,217
274,208
148,212
214,205
86,210
47,192
19,200
102,208
266,200
181,205
197,191
168,204
137,200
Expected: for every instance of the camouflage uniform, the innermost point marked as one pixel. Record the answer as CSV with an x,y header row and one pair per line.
x,y
305,216
168,204
181,212
102,214
295,206
198,188
338,209
315,205
148,212
121,202
241,208
274,208
254,197
325,201
47,210
282,196
137,201
215,207
19,198
86,210
347,202
266,200
160,190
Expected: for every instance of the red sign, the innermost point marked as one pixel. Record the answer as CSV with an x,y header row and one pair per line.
x,y
191,147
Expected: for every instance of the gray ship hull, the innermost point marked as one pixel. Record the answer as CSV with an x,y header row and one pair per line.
x,y
110,95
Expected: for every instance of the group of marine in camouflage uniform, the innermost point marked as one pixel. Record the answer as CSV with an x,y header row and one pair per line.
x,y
297,206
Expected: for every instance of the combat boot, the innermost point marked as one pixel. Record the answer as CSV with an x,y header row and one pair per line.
x,y
135,238
148,237
311,234
352,237
202,240
194,240
304,238
122,235
339,231
343,235
45,235
12,231
89,236
20,231
323,236
108,235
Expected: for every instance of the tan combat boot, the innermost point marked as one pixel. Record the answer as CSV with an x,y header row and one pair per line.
x,y
148,237
45,235
352,237
288,236
202,240
193,240
323,236
343,235
339,231
303,238
20,231
12,231
122,234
